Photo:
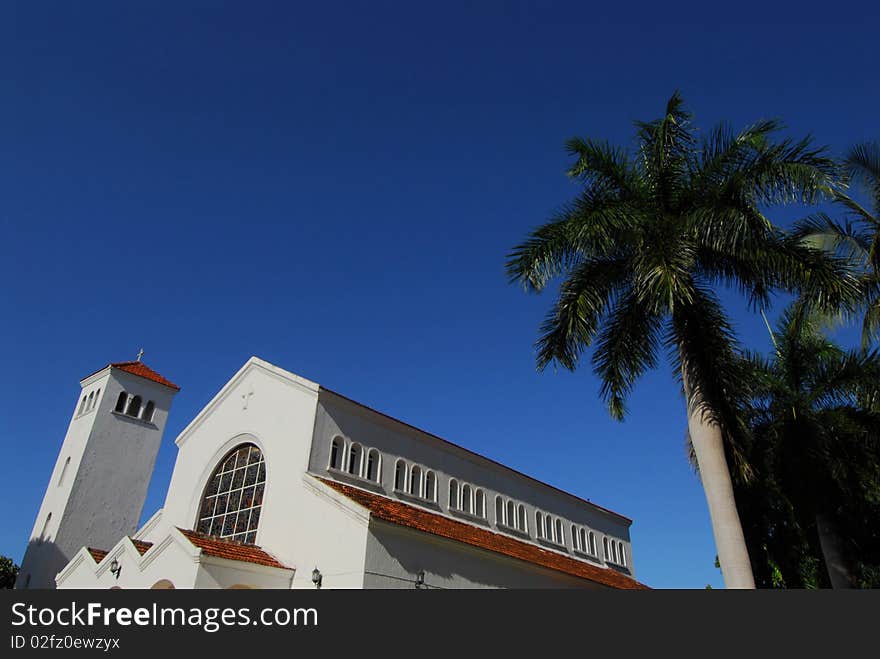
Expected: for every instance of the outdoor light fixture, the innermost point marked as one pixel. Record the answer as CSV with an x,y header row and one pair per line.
x,y
317,577
420,579
115,568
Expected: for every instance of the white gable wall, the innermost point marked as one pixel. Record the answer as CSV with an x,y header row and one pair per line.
x,y
274,410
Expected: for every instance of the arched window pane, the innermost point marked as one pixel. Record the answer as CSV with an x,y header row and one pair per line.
x,y
234,496
466,499
430,486
373,462
134,407
415,481
400,476
354,459
337,448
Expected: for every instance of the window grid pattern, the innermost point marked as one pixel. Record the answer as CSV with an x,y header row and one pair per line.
x,y
234,496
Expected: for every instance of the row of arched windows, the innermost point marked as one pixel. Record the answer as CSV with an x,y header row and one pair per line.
x,y
356,460
133,406
89,402
614,551
415,480
467,498
549,528
583,540
510,514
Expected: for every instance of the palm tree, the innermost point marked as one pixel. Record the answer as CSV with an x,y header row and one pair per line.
x,y
814,417
641,249
857,236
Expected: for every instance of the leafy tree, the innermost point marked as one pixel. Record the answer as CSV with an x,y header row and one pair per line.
x,y
8,572
814,420
642,249
857,234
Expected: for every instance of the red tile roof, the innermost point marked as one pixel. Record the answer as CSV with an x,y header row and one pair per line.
x,y
404,514
144,371
233,551
97,554
141,546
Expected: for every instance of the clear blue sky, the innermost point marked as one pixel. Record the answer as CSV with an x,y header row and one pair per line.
x,y
334,188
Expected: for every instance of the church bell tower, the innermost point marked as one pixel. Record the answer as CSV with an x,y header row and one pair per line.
x,y
97,489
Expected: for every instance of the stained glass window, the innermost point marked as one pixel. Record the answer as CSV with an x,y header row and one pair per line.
x,y
234,496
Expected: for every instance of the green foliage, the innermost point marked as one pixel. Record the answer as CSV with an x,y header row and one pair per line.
x,y
814,446
855,237
8,572
653,232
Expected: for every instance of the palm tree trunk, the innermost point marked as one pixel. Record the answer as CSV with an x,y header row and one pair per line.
x,y
839,572
708,442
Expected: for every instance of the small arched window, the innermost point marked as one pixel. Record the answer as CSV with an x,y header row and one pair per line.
x,y
234,496
521,518
622,554
134,407
467,502
337,453
415,481
82,405
120,402
499,511
510,513
605,547
575,538
582,541
149,410
355,453
479,503
614,552
400,476
592,543
559,535
63,471
453,494
430,486
91,401
539,524
374,466
45,527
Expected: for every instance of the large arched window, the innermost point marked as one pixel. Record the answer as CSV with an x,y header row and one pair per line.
x,y
234,496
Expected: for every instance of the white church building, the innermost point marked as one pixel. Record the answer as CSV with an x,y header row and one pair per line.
x,y
282,483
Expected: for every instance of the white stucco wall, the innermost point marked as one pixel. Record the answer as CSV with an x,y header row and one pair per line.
x,y
337,416
395,555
